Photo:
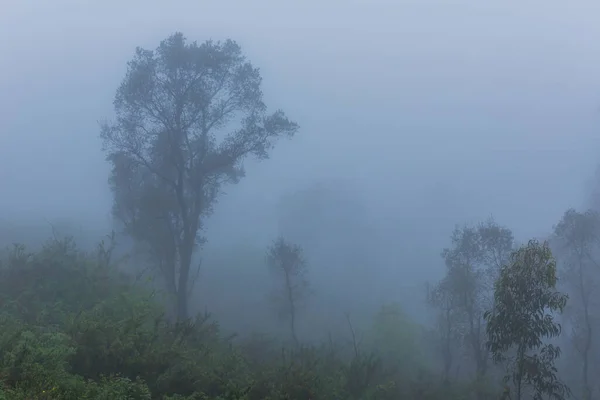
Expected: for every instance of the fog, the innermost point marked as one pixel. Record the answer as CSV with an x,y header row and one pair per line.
x,y
423,114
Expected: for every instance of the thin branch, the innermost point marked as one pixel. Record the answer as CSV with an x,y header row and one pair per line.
x,y
354,341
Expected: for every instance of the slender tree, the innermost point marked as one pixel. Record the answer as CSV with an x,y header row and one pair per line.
x,y
466,281
578,239
286,262
472,264
187,115
447,329
526,300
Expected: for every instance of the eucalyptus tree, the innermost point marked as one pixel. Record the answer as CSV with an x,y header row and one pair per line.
x,y
527,301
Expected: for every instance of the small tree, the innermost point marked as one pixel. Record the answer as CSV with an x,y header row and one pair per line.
x,y
286,262
187,115
525,300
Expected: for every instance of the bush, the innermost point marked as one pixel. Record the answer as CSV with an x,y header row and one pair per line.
x,y
75,327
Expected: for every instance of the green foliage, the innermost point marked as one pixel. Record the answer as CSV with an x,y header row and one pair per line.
x,y
74,327
526,298
394,338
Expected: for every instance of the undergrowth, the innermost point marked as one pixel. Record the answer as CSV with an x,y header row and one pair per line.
x,y
74,327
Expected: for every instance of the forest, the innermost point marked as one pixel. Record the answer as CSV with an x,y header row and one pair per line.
x,y
130,317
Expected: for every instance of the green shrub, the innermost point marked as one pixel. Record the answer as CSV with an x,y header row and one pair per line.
x,y
75,327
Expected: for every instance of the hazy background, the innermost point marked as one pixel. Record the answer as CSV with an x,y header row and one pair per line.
x,y
418,115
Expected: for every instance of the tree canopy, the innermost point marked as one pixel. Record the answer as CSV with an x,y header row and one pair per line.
x,y
187,115
526,300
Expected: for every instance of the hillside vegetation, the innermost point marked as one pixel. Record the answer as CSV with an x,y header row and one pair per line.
x,y
75,327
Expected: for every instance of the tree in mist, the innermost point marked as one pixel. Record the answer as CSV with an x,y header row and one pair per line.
x,y
447,328
497,245
578,237
466,292
288,265
526,301
187,115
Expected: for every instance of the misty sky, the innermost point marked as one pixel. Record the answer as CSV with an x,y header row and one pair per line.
x,y
441,112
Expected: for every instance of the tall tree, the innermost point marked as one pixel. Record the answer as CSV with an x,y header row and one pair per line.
x,y
472,263
286,261
187,115
578,239
526,300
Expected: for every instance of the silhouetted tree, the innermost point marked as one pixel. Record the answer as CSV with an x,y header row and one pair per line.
x,y
187,115
447,325
578,237
526,299
472,264
287,263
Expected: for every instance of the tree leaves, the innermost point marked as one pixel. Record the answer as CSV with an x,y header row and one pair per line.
x,y
526,300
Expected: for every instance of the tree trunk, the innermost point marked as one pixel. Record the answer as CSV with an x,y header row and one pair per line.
x,y
478,353
447,352
182,305
586,355
293,328
185,262
292,305
167,265
588,334
520,370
